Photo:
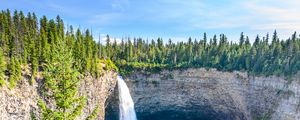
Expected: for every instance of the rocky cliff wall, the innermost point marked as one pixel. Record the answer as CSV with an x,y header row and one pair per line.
x,y
199,94
21,102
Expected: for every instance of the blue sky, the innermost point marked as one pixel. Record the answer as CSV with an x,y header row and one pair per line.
x,y
175,19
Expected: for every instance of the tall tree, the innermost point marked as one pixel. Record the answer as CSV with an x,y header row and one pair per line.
x,y
61,82
2,68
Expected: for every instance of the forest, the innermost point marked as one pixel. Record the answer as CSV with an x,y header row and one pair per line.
x,y
35,48
30,42
265,56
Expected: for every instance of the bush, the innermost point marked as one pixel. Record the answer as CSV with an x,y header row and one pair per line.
x,y
108,64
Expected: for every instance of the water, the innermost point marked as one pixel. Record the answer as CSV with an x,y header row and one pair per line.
x,y
126,104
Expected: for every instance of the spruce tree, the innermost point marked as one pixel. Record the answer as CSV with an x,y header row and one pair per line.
x,y
2,68
61,84
15,72
108,46
24,42
12,69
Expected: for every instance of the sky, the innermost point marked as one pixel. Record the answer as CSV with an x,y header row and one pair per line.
x,y
175,19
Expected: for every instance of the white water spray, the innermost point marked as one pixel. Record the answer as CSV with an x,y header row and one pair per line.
x,y
126,104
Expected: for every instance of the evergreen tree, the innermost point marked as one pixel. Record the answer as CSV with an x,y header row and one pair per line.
x,y
25,42
44,40
61,82
2,68
108,46
15,73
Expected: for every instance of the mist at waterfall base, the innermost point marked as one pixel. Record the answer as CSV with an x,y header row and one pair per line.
x,y
126,104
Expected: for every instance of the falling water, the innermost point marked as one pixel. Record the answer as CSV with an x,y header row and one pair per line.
x,y
126,104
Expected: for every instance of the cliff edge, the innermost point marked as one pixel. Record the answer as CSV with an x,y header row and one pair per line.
x,y
20,103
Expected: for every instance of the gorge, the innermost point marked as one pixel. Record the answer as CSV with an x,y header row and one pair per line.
x,y
200,94
51,71
191,94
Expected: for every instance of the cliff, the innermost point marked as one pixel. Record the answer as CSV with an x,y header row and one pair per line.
x,y
20,103
211,95
187,94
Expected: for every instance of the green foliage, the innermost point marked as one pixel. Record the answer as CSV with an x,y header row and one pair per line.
x,y
46,112
61,55
29,42
32,116
14,72
25,40
32,43
280,58
2,68
107,64
61,85
94,114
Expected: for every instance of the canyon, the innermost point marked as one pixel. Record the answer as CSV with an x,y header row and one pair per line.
x,y
200,94
178,95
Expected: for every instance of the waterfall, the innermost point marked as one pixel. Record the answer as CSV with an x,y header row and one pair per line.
x,y
126,104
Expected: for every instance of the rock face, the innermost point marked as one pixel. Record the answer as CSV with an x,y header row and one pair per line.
x,y
97,91
198,94
20,103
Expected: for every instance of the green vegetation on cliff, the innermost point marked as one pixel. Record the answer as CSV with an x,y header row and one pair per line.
x,y
43,49
25,40
2,69
266,56
61,85
62,55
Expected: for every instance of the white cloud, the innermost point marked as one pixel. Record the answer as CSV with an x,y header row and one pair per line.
x,y
119,4
283,15
252,17
278,25
105,18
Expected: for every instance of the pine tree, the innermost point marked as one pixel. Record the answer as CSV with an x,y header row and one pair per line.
x,y
34,64
44,40
204,39
242,39
108,46
190,50
2,68
25,42
61,82
15,73
12,69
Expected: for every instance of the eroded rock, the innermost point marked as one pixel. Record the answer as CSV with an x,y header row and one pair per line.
x,y
20,103
199,94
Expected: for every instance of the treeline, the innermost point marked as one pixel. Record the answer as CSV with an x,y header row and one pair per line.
x,y
265,56
61,57
27,41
